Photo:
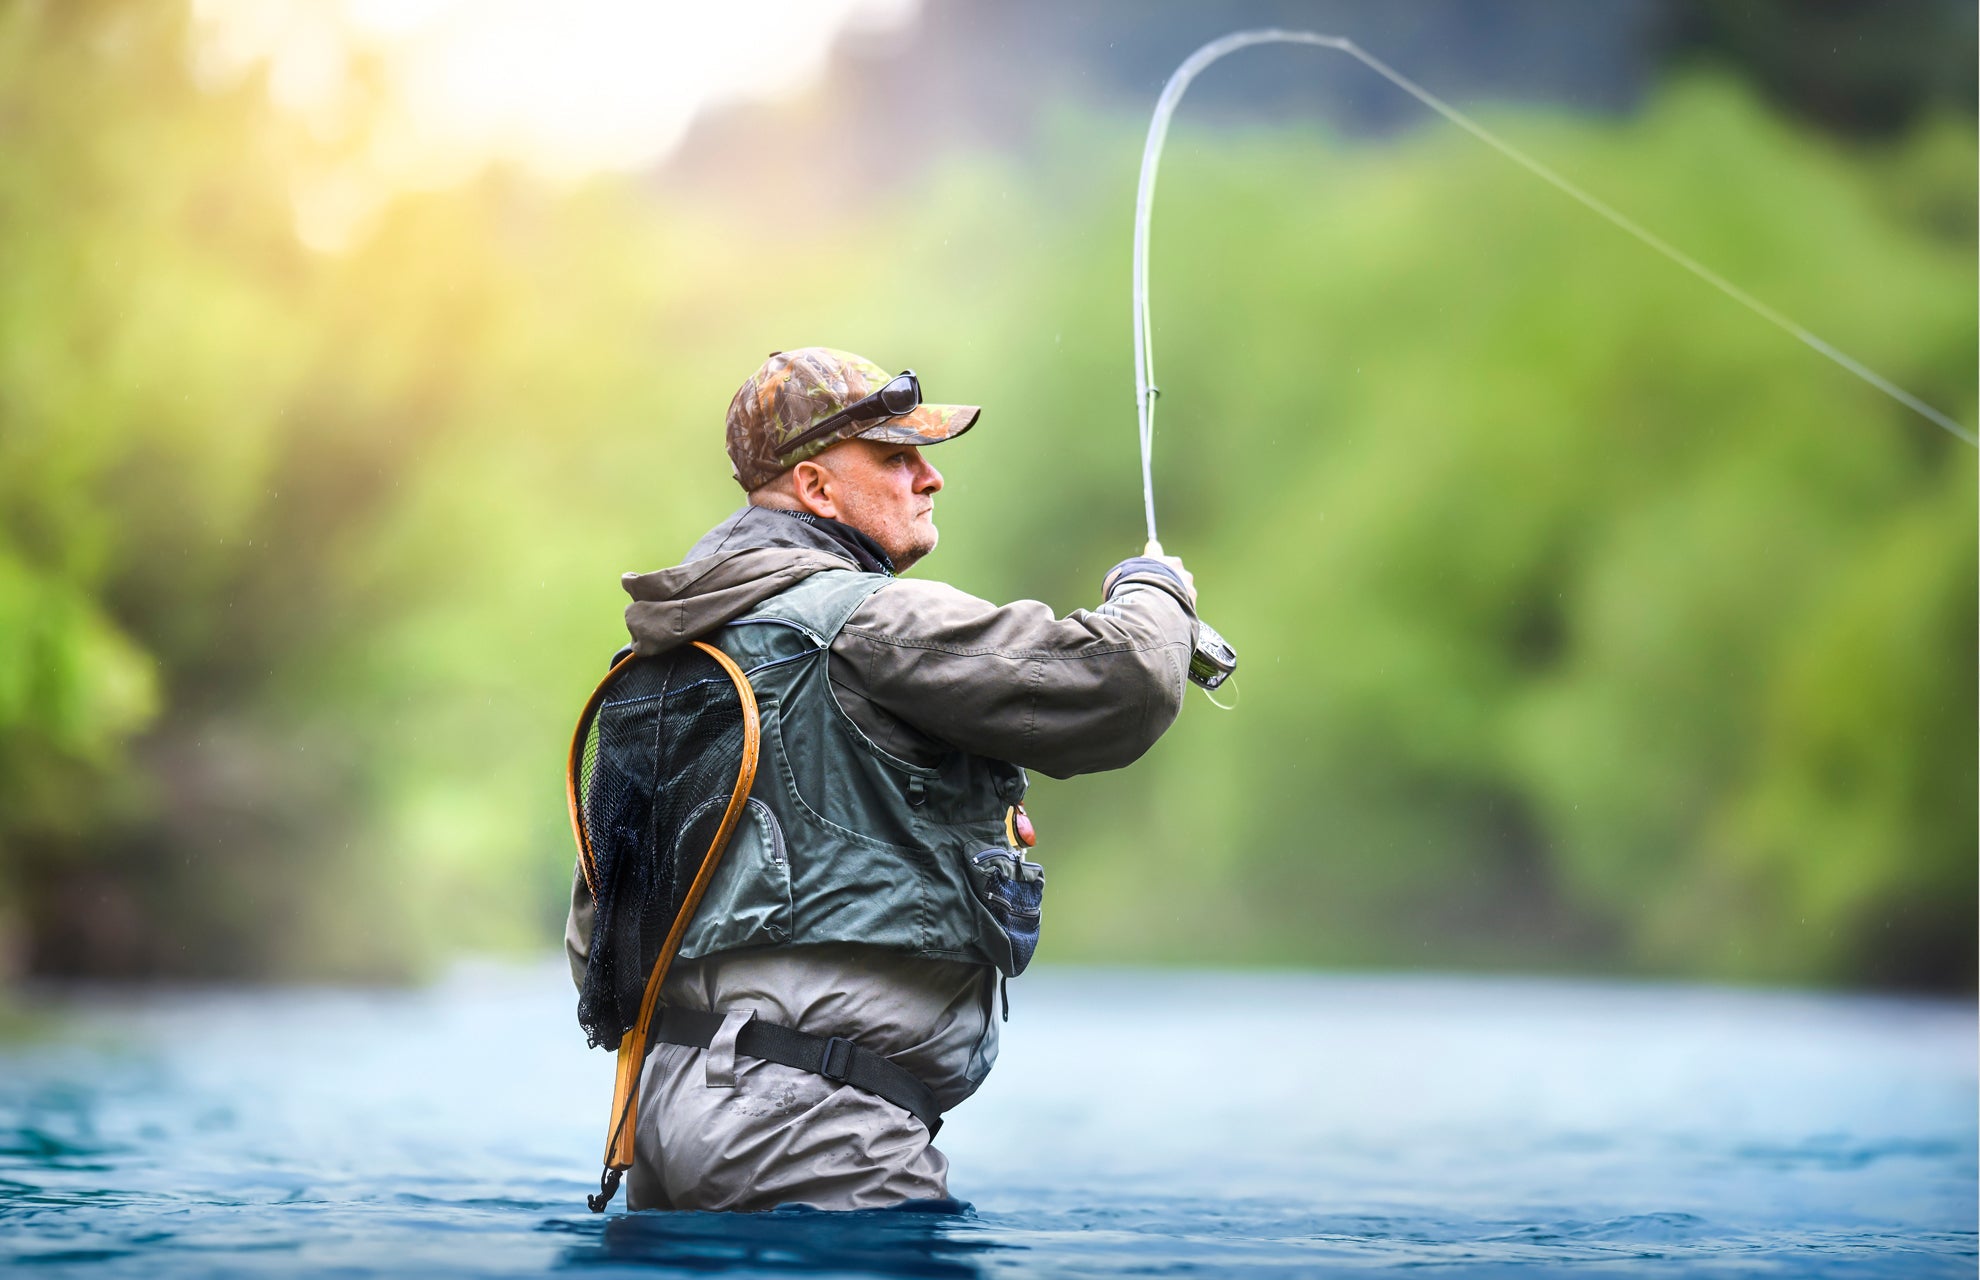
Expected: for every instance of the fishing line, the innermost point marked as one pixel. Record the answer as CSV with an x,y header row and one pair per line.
x,y
1145,390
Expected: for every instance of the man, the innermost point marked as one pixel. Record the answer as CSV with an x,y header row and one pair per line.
x,y
878,885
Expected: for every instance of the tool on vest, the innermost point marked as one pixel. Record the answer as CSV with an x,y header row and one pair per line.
x,y
659,773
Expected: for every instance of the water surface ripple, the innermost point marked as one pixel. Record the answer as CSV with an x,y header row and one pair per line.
x,y
1139,1123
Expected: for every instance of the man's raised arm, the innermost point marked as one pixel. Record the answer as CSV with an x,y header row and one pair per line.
x,y
1078,694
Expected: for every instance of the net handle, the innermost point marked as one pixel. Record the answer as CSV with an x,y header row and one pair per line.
x,y
632,1047
574,764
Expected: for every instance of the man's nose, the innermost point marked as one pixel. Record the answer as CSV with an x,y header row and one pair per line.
x,y
930,480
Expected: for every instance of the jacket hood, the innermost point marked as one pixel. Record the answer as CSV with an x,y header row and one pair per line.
x,y
754,554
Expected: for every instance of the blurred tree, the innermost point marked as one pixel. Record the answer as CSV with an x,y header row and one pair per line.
x,y
170,515
1864,68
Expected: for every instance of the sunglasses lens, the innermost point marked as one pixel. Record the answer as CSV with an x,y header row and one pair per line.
x,y
900,396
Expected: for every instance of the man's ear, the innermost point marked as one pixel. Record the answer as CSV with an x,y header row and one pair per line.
x,y
811,484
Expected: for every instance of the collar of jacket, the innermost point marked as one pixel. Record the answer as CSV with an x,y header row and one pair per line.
x,y
864,550
755,527
751,556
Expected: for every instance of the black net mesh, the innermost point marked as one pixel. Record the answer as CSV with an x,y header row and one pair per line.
x,y
659,763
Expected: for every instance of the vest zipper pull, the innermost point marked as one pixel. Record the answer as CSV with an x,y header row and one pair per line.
x,y
1005,986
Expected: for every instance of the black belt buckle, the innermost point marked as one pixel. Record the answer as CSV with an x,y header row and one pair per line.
x,y
838,1059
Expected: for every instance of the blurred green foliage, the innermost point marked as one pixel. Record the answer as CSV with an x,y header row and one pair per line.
x,y
1586,621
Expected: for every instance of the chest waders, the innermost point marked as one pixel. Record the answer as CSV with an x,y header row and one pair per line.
x,y
833,840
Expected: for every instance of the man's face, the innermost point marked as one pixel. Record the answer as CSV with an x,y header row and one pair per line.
x,y
887,492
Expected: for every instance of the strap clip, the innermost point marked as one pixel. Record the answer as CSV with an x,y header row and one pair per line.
x,y
608,1186
838,1059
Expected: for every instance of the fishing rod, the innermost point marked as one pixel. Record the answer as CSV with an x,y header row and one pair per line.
x,y
1216,655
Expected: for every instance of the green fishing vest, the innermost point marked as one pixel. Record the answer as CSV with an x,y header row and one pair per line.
x,y
843,842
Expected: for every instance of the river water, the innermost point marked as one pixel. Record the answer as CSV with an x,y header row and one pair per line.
x,y
1138,1123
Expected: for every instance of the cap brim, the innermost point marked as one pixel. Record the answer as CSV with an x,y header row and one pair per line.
x,y
928,424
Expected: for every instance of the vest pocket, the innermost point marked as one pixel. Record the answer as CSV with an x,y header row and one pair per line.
x,y
1014,891
748,903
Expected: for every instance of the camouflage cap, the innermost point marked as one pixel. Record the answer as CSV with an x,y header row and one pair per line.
x,y
795,390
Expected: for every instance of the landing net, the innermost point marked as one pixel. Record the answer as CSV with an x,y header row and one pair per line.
x,y
655,773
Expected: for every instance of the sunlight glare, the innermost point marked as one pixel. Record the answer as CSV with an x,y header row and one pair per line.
x,y
565,88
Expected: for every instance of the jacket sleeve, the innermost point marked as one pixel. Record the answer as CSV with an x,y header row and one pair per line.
x,y
1063,696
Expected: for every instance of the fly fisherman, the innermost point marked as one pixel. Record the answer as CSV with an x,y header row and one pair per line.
x,y
877,887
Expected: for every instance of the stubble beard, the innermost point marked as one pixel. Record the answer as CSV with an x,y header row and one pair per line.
x,y
921,539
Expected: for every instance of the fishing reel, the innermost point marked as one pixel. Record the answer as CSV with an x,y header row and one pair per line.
x,y
1213,660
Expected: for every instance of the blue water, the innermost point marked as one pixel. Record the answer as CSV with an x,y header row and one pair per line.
x,y
1139,1123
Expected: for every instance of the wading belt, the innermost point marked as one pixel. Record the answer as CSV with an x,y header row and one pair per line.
x,y
834,1058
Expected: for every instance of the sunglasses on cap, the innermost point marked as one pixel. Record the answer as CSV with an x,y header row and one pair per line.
x,y
901,395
